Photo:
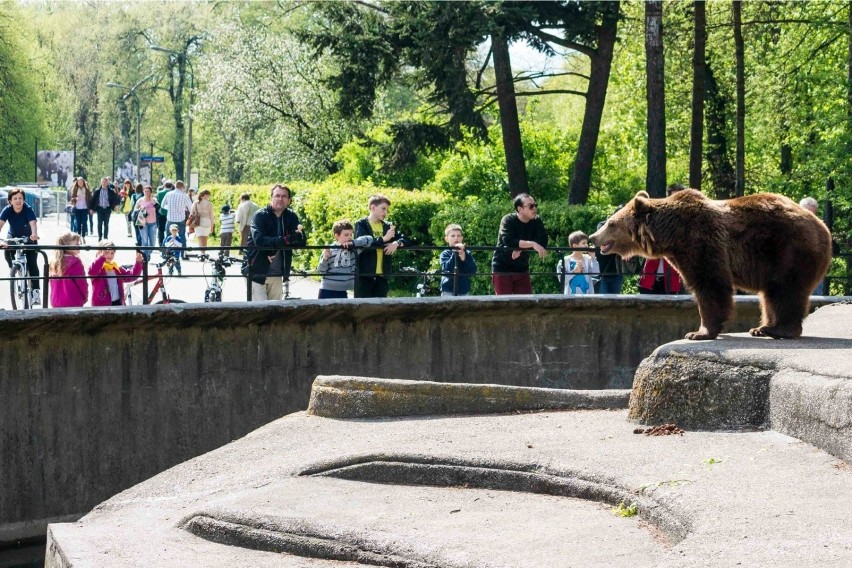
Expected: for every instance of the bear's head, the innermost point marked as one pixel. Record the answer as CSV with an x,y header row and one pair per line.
x,y
626,233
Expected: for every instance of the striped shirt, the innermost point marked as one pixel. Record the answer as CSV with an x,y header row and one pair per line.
x,y
226,222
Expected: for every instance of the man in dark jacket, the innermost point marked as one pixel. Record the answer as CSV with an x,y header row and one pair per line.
x,y
374,263
273,228
519,231
104,200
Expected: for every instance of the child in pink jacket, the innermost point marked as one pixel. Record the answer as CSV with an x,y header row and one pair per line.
x,y
68,292
108,278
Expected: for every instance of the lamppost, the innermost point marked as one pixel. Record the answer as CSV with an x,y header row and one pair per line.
x,y
182,56
131,91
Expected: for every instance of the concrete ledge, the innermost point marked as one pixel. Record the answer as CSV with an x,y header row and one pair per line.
x,y
363,397
802,388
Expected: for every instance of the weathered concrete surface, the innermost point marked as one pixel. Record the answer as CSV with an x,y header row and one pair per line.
x,y
305,485
802,388
362,397
97,400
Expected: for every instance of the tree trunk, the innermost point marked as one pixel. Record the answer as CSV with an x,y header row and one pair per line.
x,y
515,165
696,134
601,64
718,162
738,50
655,179
176,86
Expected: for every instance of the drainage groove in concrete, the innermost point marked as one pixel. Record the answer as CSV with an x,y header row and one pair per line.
x,y
530,478
307,541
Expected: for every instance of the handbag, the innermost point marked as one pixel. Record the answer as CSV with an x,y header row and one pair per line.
x,y
192,220
139,217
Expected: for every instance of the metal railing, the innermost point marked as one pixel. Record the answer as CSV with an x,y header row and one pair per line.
x,y
147,276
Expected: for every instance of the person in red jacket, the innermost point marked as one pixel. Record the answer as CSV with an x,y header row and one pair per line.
x,y
659,277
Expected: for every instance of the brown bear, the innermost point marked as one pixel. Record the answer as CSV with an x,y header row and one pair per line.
x,y
762,243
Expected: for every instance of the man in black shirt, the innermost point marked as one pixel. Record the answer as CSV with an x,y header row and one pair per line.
x,y
520,232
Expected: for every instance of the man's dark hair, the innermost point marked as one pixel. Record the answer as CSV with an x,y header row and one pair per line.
x,y
245,197
674,188
519,200
281,186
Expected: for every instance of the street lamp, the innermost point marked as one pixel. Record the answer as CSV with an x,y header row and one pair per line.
x,y
131,91
182,56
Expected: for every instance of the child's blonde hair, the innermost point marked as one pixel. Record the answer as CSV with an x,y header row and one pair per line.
x,y
57,265
453,227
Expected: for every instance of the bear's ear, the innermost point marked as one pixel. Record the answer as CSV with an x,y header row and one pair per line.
x,y
641,205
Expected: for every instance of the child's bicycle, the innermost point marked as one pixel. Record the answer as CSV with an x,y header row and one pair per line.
x,y
135,298
428,283
214,287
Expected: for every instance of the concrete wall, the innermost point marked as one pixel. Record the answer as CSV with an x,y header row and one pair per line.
x,y
94,401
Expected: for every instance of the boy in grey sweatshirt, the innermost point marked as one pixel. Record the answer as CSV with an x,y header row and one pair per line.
x,y
337,264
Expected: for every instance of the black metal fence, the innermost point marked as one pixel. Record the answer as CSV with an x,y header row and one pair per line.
x,y
153,272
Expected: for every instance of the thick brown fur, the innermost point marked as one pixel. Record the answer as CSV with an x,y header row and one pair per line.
x,y
765,244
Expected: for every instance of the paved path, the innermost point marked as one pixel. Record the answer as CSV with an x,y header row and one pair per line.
x,y
190,289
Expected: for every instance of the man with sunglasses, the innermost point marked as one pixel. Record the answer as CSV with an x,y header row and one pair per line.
x,y
520,232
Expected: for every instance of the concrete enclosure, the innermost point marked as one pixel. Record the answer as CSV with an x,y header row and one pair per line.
x,y
95,401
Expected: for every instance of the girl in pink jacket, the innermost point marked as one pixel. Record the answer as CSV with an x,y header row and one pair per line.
x,y
108,278
68,292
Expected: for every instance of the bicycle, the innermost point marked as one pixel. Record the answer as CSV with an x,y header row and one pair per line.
x,y
220,263
426,285
20,286
159,286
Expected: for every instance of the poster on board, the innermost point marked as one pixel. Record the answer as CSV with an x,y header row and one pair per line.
x,y
55,167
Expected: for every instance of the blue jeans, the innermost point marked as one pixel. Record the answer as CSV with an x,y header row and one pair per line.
x,y
611,284
82,217
147,235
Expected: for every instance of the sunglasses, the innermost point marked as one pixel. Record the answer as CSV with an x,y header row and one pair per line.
x,y
532,206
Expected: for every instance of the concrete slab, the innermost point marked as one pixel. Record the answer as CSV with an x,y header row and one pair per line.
x,y
571,488
757,498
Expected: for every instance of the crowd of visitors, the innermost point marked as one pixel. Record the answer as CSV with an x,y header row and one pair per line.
x,y
359,260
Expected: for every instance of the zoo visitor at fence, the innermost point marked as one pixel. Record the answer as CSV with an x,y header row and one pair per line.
x,y
178,205
245,212
68,285
450,284
104,200
337,264
145,218
520,232
108,277
162,231
81,196
22,225
272,228
226,229
373,266
576,270
202,210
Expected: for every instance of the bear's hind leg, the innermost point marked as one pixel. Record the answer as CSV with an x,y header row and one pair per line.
x,y
784,308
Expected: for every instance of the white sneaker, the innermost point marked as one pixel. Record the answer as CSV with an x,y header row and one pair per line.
x,y
35,297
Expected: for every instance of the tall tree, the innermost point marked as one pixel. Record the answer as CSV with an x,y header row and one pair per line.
x,y
655,179
601,64
696,134
718,161
515,165
740,73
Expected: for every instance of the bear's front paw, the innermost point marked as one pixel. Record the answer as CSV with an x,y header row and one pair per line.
x,y
701,334
777,332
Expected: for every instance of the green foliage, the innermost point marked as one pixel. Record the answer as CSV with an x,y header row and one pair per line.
x,y
22,112
629,510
